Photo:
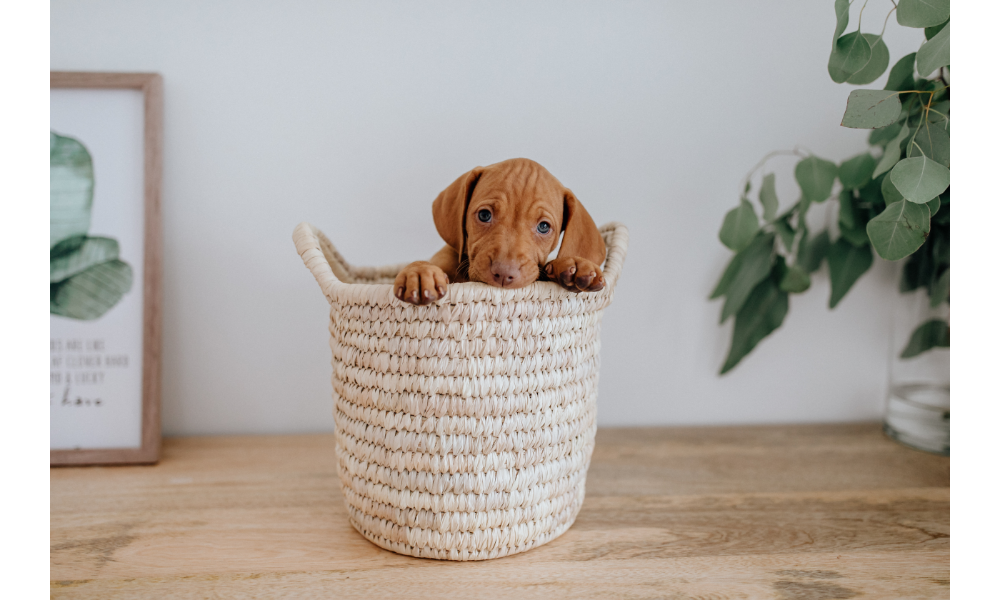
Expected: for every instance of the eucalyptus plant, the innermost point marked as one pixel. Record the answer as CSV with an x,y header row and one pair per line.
x,y
893,199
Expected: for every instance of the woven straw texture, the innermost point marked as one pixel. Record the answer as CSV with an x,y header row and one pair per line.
x,y
464,428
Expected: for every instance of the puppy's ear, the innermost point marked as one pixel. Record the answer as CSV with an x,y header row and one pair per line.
x,y
581,237
450,207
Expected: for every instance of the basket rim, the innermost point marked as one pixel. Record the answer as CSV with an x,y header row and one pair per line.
x,y
338,279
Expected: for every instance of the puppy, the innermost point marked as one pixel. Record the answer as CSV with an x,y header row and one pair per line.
x,y
500,224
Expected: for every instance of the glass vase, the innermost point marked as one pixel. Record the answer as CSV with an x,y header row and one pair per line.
x,y
918,408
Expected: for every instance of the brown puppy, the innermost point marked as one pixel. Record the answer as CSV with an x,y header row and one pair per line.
x,y
500,224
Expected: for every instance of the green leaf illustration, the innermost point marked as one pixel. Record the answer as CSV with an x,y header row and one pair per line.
x,y
870,109
936,53
922,13
934,333
86,277
815,177
91,293
93,251
71,188
876,65
739,226
919,179
847,263
900,229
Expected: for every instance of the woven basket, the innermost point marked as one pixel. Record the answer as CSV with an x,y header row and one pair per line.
x,y
464,429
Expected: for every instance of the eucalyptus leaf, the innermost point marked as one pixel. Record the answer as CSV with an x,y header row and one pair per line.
x,y
870,109
943,216
732,269
935,53
918,270
857,171
919,178
893,152
900,229
941,251
850,54
884,135
92,251
842,8
922,13
939,113
852,220
934,205
815,177
847,263
934,333
90,293
763,312
932,141
755,264
876,65
785,232
71,188
739,226
794,280
856,237
941,290
901,75
930,32
813,251
769,197
849,212
889,192
871,194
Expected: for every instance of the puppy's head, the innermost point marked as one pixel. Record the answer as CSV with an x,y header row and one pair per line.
x,y
504,220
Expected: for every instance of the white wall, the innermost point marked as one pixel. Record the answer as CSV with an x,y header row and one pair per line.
x,y
355,115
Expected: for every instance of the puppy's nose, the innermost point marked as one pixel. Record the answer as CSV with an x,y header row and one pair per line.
x,y
504,272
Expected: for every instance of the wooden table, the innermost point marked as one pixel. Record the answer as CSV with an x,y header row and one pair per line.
x,y
789,512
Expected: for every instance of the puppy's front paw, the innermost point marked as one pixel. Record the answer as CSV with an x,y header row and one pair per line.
x,y
575,274
420,283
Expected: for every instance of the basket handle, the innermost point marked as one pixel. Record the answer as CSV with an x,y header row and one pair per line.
x,y
321,258
616,239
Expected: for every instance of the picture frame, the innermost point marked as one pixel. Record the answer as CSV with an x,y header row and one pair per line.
x,y
79,361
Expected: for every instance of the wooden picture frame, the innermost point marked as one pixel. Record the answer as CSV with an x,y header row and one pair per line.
x,y
151,87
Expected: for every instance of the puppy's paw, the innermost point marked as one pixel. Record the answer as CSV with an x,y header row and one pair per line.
x,y
420,283
575,274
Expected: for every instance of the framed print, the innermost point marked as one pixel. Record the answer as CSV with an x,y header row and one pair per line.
x,y
105,277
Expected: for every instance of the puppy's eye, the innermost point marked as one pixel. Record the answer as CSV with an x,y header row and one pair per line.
x,y
544,227
485,216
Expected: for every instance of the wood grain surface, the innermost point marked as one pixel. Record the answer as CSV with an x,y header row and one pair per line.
x,y
787,512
